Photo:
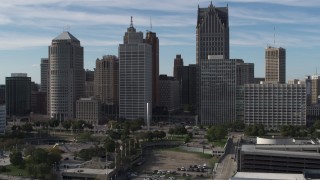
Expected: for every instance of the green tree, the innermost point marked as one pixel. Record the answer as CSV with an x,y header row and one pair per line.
x,y
16,158
27,127
66,125
109,145
316,124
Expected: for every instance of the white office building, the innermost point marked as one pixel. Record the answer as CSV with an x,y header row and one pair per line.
x,y
274,105
135,76
66,78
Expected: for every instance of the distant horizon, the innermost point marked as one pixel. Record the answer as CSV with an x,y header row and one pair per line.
x,y
100,27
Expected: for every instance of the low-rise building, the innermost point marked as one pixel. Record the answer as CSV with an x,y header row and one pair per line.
x,y
278,158
89,109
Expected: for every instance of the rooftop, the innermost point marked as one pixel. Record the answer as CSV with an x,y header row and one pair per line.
x,y
66,36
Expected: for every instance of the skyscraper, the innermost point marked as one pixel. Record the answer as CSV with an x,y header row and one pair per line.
x,y
135,76
217,74
315,89
217,93
66,76
153,40
178,62
169,93
44,74
212,32
89,83
106,80
18,94
275,65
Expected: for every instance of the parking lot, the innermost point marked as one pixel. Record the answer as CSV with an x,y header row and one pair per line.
x,y
165,164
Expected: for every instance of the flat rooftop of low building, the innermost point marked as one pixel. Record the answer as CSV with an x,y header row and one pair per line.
x,y
266,176
283,150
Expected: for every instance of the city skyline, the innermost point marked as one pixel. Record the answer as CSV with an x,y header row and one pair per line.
x,y
25,36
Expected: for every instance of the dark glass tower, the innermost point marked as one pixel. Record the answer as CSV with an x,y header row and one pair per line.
x,y
212,32
18,94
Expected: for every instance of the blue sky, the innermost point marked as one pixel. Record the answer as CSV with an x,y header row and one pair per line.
x,y
28,26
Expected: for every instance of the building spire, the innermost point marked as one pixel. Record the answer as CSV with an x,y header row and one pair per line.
x,y
131,24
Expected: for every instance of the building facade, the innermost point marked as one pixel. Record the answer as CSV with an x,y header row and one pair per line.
x,y
2,94
177,64
169,93
153,40
275,59
89,110
188,83
89,83
18,94
135,76
66,76
44,74
212,32
217,103
39,102
245,72
278,158
274,105
106,80
315,89
3,120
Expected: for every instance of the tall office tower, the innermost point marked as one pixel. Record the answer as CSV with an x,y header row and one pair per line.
x,y
66,76
44,74
275,65
135,76
308,81
217,96
188,82
106,80
3,120
178,62
169,93
212,32
89,83
315,89
2,94
18,94
274,105
153,40
245,72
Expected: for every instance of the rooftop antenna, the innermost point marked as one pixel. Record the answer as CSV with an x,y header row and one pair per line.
x,y
131,24
66,28
274,36
150,24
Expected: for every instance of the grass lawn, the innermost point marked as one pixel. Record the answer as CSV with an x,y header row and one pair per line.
x,y
220,143
15,171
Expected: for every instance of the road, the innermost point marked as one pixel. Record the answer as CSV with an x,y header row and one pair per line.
x,y
227,168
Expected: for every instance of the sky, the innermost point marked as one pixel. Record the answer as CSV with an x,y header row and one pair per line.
x,y
27,28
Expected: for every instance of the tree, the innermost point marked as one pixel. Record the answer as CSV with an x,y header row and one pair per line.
x,y
27,127
171,131
316,124
66,125
53,123
216,133
109,145
16,158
